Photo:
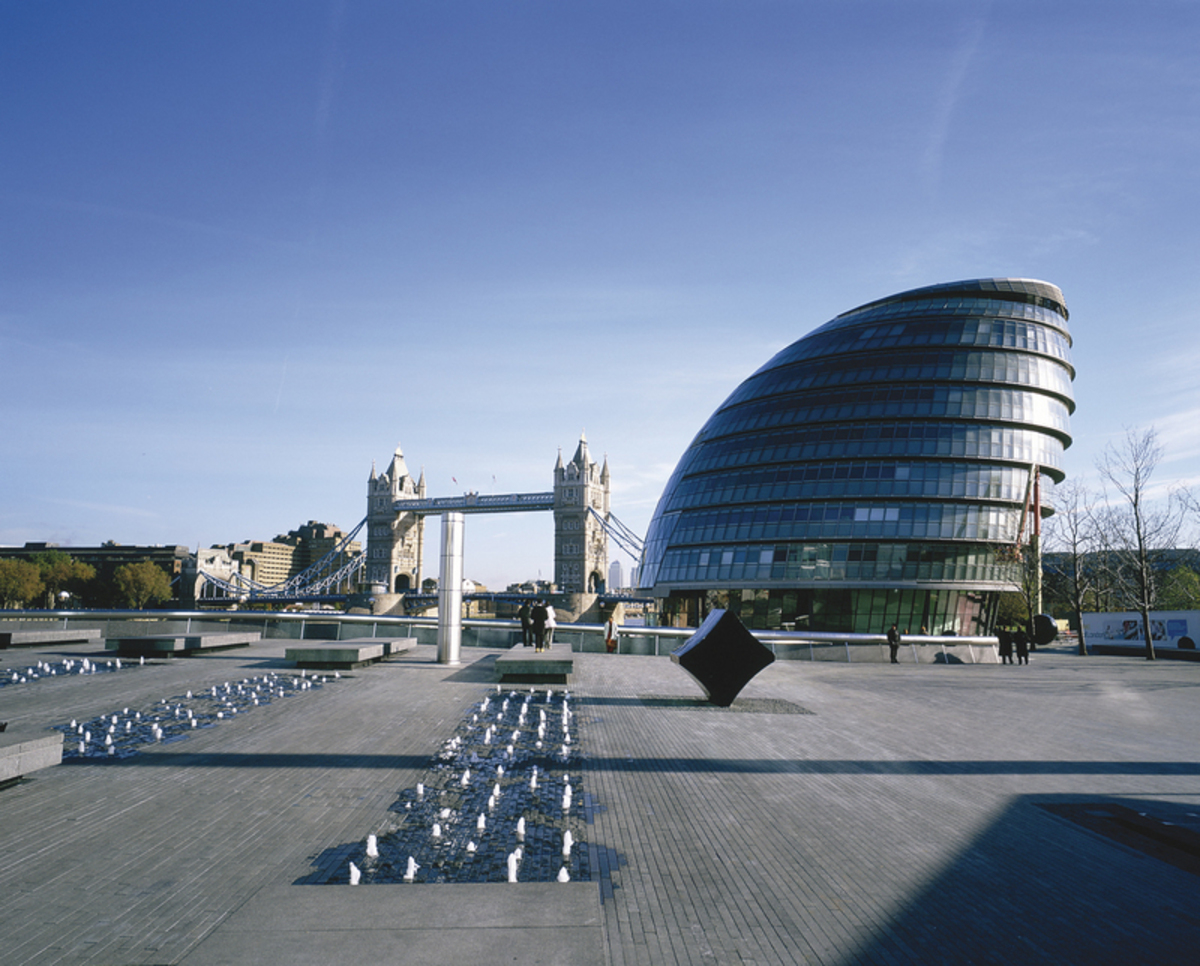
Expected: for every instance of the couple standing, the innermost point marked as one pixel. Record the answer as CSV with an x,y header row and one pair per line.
x,y
537,625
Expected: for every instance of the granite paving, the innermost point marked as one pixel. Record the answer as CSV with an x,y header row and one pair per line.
x,y
835,814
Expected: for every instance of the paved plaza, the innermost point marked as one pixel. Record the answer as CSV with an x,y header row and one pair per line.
x,y
836,814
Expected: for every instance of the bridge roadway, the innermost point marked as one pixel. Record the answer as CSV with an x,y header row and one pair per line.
x,y
476,503
915,814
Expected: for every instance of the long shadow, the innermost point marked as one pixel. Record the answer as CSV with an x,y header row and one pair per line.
x,y
1058,879
217,759
815,766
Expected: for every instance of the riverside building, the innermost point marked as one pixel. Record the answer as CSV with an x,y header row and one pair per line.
x,y
876,470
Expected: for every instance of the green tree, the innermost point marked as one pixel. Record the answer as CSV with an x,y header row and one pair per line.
x,y
1179,589
60,571
20,581
1012,609
142,583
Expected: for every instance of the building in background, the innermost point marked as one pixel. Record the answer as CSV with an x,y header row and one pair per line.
x,y
216,563
616,579
106,558
272,562
875,471
266,562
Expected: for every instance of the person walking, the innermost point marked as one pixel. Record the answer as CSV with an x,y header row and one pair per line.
x,y
526,625
1021,642
610,634
893,639
1004,636
537,618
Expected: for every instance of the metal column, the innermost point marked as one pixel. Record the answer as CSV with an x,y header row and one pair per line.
x,y
450,583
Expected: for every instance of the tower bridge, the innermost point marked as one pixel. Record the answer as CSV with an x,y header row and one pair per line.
x,y
453,511
397,505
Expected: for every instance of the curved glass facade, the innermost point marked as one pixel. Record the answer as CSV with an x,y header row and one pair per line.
x,y
868,473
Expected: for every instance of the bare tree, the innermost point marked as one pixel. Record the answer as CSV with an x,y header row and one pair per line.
x,y
1073,533
1138,527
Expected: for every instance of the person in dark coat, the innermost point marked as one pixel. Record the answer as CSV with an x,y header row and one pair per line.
x,y
526,624
1021,642
537,618
1004,636
893,639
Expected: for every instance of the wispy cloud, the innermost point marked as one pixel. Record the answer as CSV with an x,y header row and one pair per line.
x,y
125,213
110,508
949,96
1179,434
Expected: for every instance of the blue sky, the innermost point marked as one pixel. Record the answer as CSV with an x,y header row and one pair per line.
x,y
248,248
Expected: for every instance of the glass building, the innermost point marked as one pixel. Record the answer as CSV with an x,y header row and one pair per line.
x,y
876,470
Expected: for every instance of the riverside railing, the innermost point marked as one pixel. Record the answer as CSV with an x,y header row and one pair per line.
x,y
496,633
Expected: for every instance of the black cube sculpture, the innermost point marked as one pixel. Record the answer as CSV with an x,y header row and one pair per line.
x,y
722,656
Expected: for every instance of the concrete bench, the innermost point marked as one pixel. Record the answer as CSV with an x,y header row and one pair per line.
x,y
21,754
530,667
57,636
344,655
170,645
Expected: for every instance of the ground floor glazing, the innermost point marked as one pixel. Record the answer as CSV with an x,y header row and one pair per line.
x,y
844,610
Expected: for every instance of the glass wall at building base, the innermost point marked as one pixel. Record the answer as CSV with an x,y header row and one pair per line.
x,y
854,611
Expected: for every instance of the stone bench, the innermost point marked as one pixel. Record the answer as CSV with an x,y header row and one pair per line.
x,y
58,636
530,667
170,645
344,655
21,754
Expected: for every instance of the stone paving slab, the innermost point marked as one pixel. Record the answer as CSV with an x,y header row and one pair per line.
x,y
39,638
22,754
186,644
834,815
522,923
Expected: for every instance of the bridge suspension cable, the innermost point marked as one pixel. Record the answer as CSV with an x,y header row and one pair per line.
x,y
319,579
619,533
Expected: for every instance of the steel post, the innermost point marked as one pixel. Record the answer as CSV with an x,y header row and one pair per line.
x,y
450,582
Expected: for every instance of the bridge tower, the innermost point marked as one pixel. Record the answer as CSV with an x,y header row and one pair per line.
x,y
395,541
580,542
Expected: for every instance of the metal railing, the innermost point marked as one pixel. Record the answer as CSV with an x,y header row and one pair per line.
x,y
496,633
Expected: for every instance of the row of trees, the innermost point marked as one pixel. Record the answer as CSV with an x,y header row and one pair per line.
x,y
1117,548
46,577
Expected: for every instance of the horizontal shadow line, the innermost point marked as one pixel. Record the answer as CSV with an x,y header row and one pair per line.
x,y
814,766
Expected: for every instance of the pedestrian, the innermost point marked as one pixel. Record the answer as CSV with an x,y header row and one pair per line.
x,y
526,625
1004,636
537,618
551,623
610,634
1021,642
893,639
